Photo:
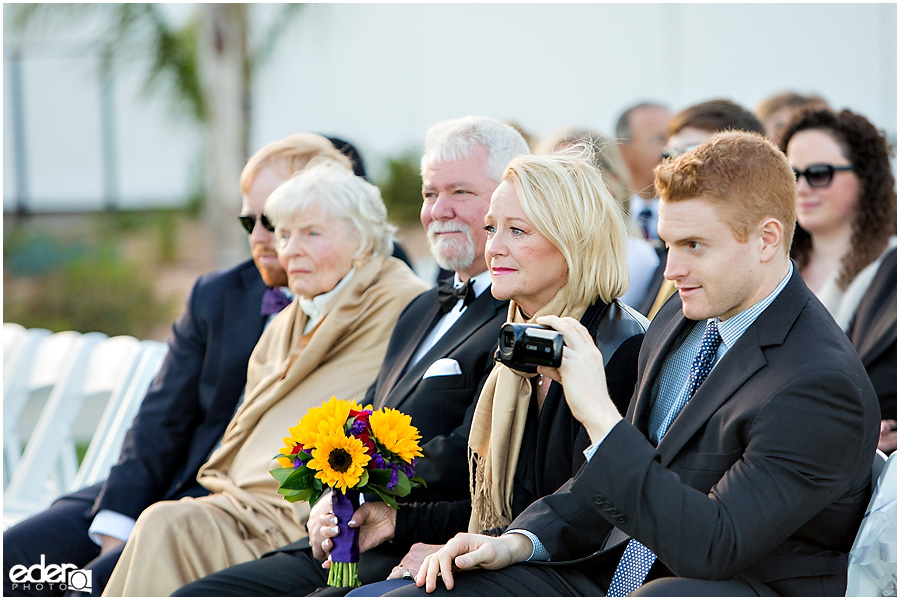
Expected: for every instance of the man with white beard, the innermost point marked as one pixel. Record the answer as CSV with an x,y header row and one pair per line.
x,y
439,354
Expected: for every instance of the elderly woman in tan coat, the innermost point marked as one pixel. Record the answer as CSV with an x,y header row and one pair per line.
x,y
334,241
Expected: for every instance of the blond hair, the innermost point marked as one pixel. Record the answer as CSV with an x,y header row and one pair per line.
x,y
290,155
564,196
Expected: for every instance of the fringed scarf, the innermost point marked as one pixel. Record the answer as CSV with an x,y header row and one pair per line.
x,y
498,425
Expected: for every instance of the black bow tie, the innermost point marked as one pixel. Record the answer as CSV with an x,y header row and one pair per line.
x,y
449,295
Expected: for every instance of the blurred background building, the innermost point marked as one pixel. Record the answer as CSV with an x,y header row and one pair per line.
x,y
153,179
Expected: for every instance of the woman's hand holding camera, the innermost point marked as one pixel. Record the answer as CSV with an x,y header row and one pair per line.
x,y
583,377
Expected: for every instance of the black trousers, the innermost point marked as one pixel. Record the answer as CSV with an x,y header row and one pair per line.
x,y
288,571
532,579
60,535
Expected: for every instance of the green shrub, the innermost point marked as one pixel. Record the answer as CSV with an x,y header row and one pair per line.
x,y
100,292
402,189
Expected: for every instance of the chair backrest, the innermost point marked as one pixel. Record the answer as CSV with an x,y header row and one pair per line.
x,y
120,411
49,462
873,558
33,369
13,335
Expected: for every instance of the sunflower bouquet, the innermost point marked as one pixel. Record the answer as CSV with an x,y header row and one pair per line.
x,y
352,450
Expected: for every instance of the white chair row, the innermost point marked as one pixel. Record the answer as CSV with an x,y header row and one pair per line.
x,y
54,388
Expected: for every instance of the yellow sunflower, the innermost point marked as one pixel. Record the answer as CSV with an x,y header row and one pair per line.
x,y
394,431
339,460
289,444
326,419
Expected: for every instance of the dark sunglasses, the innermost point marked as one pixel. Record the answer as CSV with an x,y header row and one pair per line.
x,y
249,222
819,176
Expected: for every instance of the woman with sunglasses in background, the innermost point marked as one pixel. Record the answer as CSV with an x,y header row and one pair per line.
x,y
845,244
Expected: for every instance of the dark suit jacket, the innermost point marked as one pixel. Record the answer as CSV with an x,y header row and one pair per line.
x,y
763,476
874,334
553,441
194,395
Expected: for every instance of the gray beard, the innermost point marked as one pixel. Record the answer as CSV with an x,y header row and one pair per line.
x,y
453,255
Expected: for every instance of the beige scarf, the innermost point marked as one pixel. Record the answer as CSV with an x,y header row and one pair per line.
x,y
498,425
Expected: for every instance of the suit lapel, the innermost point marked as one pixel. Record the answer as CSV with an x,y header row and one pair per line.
x,y
426,319
482,310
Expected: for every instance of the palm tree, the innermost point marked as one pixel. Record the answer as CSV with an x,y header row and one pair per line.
x,y
207,63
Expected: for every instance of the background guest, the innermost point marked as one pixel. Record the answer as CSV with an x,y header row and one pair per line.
x,y
776,110
847,217
642,131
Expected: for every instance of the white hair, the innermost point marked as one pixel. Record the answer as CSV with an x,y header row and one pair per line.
x,y
332,187
455,139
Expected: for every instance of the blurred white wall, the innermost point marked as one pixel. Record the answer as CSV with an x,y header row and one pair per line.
x,y
380,74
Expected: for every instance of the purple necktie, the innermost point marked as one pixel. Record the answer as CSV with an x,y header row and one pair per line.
x,y
273,301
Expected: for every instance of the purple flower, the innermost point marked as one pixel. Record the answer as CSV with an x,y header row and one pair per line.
x,y
357,427
378,461
394,480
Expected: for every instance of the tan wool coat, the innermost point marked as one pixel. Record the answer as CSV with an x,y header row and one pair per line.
x,y
177,542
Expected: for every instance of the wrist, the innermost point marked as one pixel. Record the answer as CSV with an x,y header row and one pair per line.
x,y
597,429
519,545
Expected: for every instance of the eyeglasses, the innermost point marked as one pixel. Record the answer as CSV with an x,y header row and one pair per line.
x,y
249,222
819,176
676,152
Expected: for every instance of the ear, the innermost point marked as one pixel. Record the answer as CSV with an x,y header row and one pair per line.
x,y
771,236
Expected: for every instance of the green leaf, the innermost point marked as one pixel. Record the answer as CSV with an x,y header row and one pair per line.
x,y
281,473
364,479
385,497
418,482
314,495
403,487
379,476
298,496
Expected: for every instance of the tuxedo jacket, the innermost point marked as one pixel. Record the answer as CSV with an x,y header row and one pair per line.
x,y
874,334
192,398
441,405
764,476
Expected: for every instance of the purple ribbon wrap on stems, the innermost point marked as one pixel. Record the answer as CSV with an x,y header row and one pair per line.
x,y
346,543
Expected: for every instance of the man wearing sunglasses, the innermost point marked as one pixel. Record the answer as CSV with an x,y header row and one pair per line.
x,y
191,400
687,130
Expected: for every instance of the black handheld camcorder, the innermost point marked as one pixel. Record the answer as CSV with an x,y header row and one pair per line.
x,y
525,347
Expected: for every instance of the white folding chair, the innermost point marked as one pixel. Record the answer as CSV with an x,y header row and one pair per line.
x,y
13,335
106,444
873,557
48,465
33,369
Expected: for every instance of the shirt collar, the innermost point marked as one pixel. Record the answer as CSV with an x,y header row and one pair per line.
x,y
314,308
